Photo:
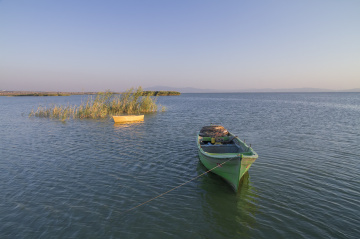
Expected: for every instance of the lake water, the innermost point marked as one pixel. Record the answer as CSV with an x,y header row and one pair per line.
x,y
77,179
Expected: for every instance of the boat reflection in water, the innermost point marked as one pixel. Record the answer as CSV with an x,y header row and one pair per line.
x,y
231,214
132,130
128,124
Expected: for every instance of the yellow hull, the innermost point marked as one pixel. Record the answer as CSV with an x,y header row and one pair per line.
x,y
128,118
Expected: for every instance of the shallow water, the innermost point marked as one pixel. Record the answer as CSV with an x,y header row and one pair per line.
x,y
77,179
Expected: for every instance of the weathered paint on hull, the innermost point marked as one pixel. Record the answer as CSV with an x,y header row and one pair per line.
x,y
245,165
128,118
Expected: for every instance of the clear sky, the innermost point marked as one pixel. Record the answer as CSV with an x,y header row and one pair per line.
x,y
89,45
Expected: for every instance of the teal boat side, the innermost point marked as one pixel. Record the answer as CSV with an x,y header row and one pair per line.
x,y
230,171
236,163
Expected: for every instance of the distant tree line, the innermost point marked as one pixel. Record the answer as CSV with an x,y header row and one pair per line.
x,y
39,93
160,93
43,94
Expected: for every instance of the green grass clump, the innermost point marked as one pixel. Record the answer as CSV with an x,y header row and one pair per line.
x,y
103,105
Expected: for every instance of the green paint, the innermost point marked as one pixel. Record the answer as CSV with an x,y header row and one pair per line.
x,y
237,163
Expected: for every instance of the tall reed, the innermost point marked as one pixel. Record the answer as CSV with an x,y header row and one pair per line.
x,y
105,104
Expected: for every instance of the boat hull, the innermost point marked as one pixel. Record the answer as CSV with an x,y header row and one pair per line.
x,y
128,118
229,166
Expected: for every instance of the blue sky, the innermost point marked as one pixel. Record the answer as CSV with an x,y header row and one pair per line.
x,y
212,44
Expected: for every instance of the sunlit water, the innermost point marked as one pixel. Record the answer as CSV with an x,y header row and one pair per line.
x,y
77,179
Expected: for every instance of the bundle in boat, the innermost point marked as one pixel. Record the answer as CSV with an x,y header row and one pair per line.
x,y
213,131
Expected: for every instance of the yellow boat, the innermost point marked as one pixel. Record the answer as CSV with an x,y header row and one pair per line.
x,y
128,118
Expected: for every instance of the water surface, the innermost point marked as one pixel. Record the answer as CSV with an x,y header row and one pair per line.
x,y
76,179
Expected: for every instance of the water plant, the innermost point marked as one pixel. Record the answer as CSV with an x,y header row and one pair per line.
x,y
105,104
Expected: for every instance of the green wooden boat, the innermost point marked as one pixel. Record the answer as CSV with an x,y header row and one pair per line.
x,y
218,147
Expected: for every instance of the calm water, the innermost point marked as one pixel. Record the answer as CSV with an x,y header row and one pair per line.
x,y
76,179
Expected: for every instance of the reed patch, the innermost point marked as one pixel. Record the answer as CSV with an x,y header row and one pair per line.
x,y
104,104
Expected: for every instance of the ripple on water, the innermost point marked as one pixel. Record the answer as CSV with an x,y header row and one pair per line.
x,y
77,179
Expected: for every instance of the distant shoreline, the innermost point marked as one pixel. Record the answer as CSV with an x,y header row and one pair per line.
x,y
254,90
152,93
43,93
54,93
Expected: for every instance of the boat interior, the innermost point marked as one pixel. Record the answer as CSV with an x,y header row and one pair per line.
x,y
221,145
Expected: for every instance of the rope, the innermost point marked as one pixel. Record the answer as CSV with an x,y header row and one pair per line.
x,y
160,195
